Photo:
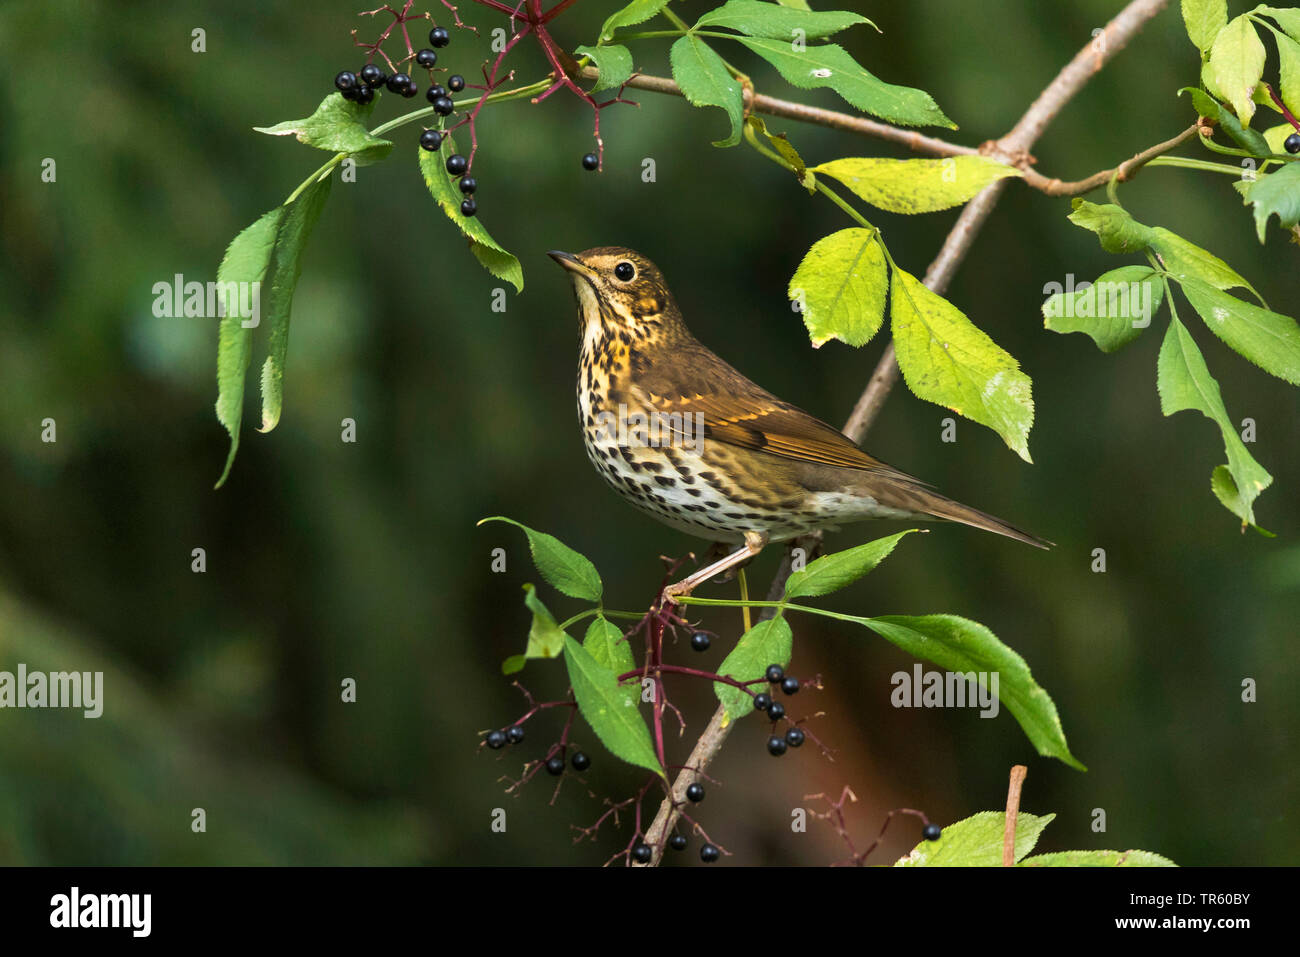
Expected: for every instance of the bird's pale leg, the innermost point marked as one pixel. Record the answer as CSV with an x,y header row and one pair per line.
x,y
754,543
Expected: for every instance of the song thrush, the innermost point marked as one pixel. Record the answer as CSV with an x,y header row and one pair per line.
x,y
683,436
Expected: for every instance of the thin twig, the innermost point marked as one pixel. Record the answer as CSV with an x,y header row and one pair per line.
x,y
1018,773
1023,135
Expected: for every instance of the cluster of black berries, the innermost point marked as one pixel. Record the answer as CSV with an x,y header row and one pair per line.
x,y
1292,143
496,740
641,852
457,165
360,87
776,676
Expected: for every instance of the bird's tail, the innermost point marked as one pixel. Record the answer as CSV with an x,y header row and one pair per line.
x,y
947,509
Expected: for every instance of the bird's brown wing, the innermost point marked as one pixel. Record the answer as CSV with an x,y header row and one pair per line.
x,y
738,412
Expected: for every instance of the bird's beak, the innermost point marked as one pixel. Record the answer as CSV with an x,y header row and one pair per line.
x,y
571,262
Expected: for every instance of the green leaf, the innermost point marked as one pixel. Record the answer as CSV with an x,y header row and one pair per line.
x,y
705,81
1184,261
1277,193
267,253
486,250
1268,339
977,841
564,569
336,126
1113,310
916,185
1236,64
286,266
247,261
1248,139
828,66
842,284
545,639
1288,18
1184,382
759,19
609,709
945,359
638,11
1204,20
614,64
1098,859
1288,53
604,641
964,646
832,572
1117,231
768,642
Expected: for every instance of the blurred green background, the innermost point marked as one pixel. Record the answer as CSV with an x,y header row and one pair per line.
x,y
329,560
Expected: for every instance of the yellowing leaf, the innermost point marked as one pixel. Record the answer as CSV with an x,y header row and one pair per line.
x,y
916,185
841,285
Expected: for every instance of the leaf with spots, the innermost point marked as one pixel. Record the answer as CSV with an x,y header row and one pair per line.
x,y
947,360
828,66
1268,339
916,185
842,285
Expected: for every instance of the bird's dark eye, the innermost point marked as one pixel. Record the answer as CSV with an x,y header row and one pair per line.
x,y
624,271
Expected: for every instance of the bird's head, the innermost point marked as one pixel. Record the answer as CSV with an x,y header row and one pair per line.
x,y
620,292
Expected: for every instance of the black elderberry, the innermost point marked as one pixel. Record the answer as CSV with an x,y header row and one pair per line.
x,y
794,737
439,37
455,83
457,164
790,684
932,832
642,853
496,740
775,674
430,140
580,761
1292,143
695,792
372,74
709,853
776,746
468,207
677,842
426,58
345,81
776,711
443,106
468,184
555,766
590,162
762,701
700,641
514,734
